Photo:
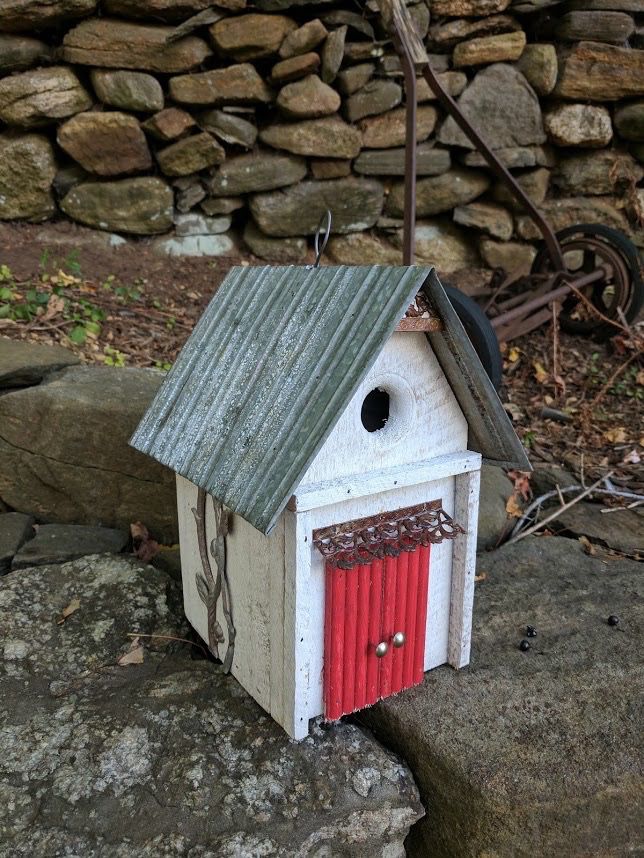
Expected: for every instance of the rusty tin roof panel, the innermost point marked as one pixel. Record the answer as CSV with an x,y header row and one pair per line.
x,y
266,374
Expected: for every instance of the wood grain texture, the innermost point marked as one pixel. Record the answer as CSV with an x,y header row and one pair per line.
x,y
466,507
397,20
358,486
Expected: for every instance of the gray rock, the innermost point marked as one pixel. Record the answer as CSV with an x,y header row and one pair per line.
x,y
568,211
58,543
250,36
229,128
166,10
539,65
23,363
333,54
64,453
612,27
282,251
354,78
486,217
304,39
586,125
128,90
236,84
15,530
22,16
503,106
355,204
167,757
510,256
629,121
437,194
21,52
196,224
506,47
512,157
294,68
534,183
598,72
106,144
188,198
622,530
374,98
169,124
68,177
308,98
123,45
442,243
532,752
329,168
27,171
496,489
142,206
362,248
190,155
599,172
196,245
328,137
391,162
35,98
222,205
259,171
389,129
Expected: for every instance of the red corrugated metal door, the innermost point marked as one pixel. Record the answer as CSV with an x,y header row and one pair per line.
x,y
374,630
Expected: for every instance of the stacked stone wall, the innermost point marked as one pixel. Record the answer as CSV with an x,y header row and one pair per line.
x,y
227,125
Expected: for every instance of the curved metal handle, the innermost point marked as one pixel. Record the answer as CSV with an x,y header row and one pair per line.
x,y
324,225
382,649
399,639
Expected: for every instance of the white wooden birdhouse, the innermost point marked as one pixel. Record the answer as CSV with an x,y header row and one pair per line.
x,y
328,480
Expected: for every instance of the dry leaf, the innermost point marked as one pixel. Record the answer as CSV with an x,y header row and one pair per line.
x,y
513,410
587,545
522,485
481,577
639,378
145,548
55,305
514,354
73,606
632,458
616,435
540,373
134,655
513,507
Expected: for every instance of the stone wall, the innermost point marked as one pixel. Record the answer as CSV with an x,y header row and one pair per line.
x,y
218,122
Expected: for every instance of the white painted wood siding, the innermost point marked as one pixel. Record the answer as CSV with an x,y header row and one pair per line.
x,y
425,418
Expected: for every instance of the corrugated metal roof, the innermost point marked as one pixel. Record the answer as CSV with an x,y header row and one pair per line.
x,y
266,374
490,430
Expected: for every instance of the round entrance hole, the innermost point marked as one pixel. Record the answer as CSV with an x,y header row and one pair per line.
x,y
375,410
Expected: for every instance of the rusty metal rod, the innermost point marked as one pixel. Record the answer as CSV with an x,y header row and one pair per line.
x,y
552,243
542,300
409,211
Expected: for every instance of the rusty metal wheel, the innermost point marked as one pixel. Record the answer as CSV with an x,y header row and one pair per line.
x,y
587,247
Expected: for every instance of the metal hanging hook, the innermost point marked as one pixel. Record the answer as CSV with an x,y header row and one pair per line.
x,y
327,219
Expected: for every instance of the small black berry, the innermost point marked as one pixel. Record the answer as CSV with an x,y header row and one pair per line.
x,y
613,620
524,646
530,631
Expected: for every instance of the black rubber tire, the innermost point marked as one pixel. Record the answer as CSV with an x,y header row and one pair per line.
x,y
629,253
481,333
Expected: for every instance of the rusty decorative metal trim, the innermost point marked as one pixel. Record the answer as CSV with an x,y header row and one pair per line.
x,y
388,534
211,587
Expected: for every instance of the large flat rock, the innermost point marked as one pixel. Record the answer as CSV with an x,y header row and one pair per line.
x,y
532,753
168,757
23,364
64,454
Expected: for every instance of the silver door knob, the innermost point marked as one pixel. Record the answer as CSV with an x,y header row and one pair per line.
x,y
382,649
399,639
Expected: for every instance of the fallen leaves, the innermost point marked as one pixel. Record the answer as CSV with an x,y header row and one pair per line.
x,y
73,606
513,507
134,655
541,375
145,548
617,435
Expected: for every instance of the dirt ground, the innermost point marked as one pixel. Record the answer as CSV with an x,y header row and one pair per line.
x,y
578,403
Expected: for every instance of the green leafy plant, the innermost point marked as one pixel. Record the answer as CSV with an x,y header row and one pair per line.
x,y
113,357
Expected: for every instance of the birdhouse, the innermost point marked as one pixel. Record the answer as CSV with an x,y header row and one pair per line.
x,y
328,452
